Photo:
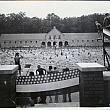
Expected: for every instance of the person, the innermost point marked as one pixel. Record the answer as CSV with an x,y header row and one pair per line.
x,y
99,27
41,71
50,70
17,62
55,70
65,69
56,95
106,21
31,73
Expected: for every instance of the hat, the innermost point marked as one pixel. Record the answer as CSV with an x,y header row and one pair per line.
x,y
106,14
17,54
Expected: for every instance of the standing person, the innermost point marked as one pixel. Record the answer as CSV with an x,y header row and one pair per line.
x,y
17,62
41,71
56,96
49,72
106,21
99,28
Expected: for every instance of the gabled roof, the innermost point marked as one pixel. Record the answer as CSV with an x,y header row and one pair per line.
x,y
54,31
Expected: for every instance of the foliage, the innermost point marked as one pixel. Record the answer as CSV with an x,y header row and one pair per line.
x,y
20,23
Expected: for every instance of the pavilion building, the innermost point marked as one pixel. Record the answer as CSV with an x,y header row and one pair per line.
x,y
54,38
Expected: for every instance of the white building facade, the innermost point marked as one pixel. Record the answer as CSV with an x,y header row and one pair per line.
x,y
54,38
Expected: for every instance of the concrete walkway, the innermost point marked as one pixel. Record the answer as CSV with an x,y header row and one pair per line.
x,y
67,104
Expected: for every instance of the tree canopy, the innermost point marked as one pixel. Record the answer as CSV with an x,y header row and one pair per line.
x,y
20,23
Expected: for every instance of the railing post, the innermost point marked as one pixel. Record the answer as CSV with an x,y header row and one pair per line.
x,y
91,85
106,75
8,85
103,40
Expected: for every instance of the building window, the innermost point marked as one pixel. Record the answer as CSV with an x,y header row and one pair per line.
x,y
43,43
59,36
20,42
60,44
87,40
30,41
77,40
15,42
4,42
36,42
82,40
25,41
49,44
54,43
92,40
66,43
54,36
49,37
10,42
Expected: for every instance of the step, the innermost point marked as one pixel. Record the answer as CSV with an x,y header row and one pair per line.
x,y
66,104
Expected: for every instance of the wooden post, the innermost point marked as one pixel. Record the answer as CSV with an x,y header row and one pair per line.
x,y
103,40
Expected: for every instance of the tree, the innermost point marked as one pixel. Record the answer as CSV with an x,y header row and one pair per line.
x,y
20,23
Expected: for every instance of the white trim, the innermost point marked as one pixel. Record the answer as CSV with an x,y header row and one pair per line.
x,y
47,86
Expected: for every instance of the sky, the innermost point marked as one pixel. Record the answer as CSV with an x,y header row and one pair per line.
x,y
61,8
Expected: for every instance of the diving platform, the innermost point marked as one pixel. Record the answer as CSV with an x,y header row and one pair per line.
x,y
107,33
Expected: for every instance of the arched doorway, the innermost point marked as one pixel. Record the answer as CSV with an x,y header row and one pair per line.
x,y
66,43
43,44
60,44
54,43
49,44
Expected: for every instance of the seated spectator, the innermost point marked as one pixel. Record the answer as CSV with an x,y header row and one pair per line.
x,y
31,73
41,71
50,70
55,69
66,69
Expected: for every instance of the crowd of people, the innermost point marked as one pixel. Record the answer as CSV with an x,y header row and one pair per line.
x,y
50,59
58,59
